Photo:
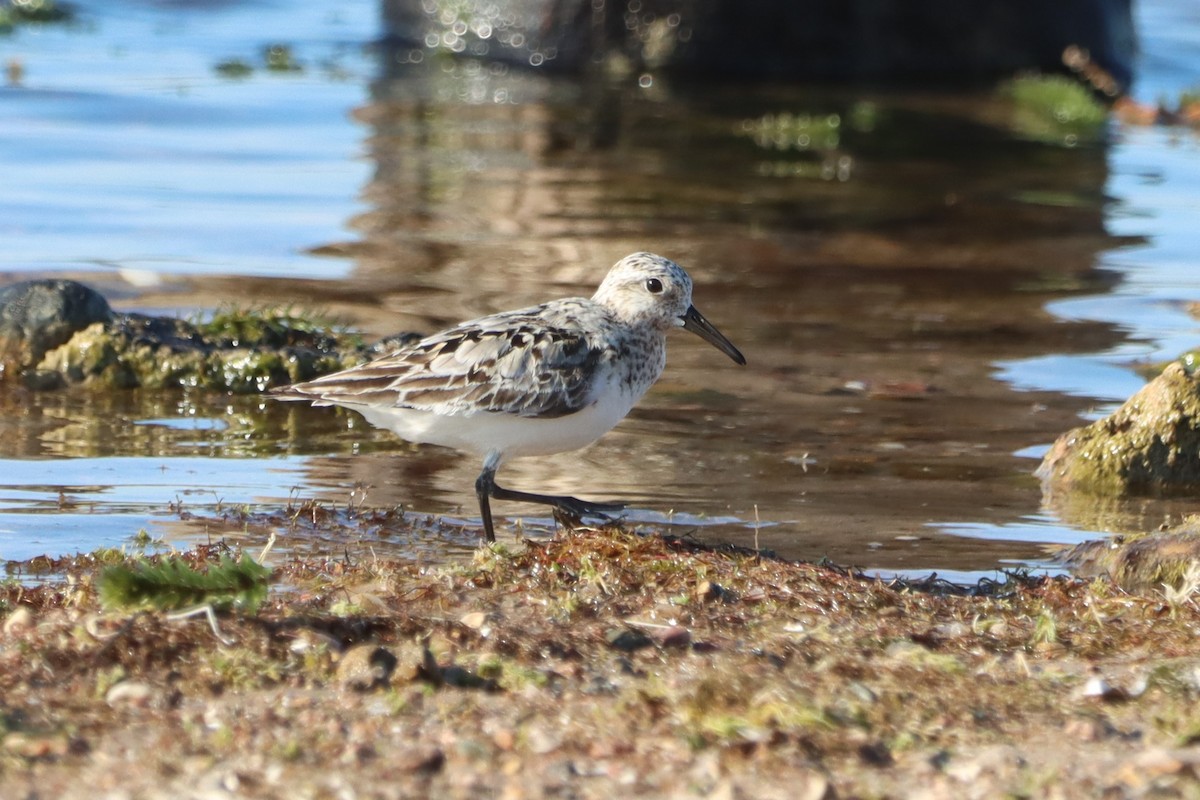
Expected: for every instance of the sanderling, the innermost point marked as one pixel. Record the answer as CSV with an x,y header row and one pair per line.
x,y
535,381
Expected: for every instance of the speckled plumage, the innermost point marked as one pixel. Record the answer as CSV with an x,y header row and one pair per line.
x,y
538,380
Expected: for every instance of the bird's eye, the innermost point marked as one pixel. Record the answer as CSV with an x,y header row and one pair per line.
x,y
654,286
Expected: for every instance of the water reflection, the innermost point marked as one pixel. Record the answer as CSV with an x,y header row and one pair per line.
x,y
874,300
889,262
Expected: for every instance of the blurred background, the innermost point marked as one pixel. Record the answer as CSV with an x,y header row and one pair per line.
x,y
934,262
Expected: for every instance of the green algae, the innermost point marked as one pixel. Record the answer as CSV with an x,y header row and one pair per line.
x,y
1055,109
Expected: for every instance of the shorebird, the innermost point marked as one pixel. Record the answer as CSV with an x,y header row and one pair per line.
x,y
534,381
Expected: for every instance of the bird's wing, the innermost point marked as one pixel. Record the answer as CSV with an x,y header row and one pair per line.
x,y
513,363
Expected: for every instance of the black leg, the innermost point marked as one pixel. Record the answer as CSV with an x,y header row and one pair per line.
x,y
570,505
485,485
486,488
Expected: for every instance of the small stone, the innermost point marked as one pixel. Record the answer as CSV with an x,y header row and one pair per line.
x,y
812,786
18,621
627,639
862,692
423,759
951,630
997,760
542,740
1158,762
1161,761
307,641
29,746
441,646
412,660
1098,687
365,667
1085,730
504,738
369,598
672,636
130,693
477,621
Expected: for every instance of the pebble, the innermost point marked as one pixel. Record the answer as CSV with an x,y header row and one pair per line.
x,y
1085,730
426,759
813,786
627,639
1158,762
365,667
672,636
31,746
309,640
130,693
1097,686
951,630
477,621
19,620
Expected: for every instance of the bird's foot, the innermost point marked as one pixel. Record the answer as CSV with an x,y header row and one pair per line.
x,y
572,510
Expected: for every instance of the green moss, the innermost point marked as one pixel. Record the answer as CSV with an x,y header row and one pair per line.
x,y
170,583
233,68
268,327
280,58
237,350
1055,109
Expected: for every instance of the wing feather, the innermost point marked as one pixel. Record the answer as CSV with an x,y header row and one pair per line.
x,y
515,363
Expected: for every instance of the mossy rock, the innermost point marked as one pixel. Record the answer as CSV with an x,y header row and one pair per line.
x,y
37,316
1148,446
1140,562
61,333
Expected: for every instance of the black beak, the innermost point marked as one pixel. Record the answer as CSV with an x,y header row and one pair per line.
x,y
695,322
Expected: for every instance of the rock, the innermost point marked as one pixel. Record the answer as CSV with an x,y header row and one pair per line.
x,y
1148,446
477,621
627,639
671,636
365,667
308,641
1150,562
130,693
812,785
1085,730
31,746
57,333
421,758
19,620
1099,688
38,316
1149,765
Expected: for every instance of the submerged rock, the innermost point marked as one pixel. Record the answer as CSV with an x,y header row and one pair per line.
x,y
1142,562
58,333
1148,446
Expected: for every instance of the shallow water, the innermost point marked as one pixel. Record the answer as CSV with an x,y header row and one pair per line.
x,y
926,298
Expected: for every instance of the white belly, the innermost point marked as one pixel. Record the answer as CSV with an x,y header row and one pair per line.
x,y
509,435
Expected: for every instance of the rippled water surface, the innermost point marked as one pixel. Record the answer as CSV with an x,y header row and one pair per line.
x,y
926,298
